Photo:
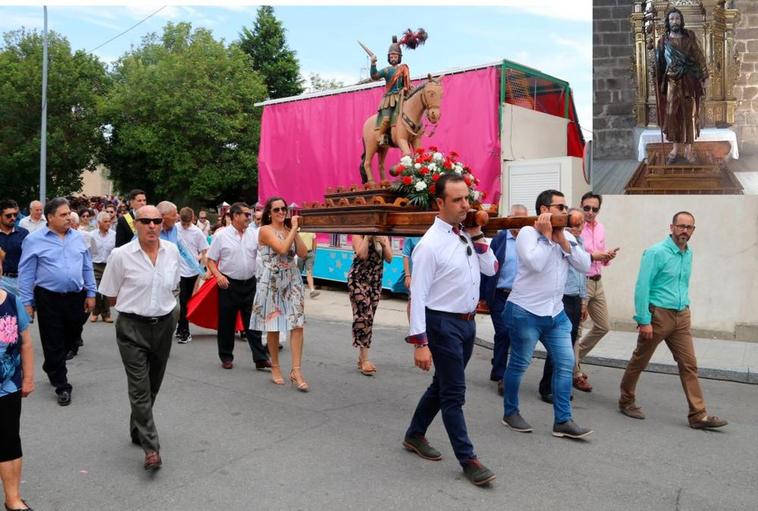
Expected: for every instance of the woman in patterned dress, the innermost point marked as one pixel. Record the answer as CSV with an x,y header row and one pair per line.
x,y
279,298
16,382
364,284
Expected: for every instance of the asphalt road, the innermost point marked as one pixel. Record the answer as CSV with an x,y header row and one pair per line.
x,y
232,440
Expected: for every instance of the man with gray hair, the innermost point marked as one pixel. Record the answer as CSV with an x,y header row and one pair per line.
x,y
56,279
35,219
102,243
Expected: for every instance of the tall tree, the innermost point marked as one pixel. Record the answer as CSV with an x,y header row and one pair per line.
x,y
267,47
182,122
75,82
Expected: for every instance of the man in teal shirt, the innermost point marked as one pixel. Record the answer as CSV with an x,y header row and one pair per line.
x,y
661,304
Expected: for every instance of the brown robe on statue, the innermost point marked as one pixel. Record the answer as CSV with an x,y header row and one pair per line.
x,y
681,88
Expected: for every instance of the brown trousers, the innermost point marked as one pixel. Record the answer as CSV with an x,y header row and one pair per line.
x,y
674,328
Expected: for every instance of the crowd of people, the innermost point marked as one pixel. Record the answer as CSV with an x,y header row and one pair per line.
x,y
64,267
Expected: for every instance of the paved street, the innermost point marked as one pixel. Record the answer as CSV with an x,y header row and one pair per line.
x,y
232,440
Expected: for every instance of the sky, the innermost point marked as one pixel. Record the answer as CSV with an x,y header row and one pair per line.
x,y
553,36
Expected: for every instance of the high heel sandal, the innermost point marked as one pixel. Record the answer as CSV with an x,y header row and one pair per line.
x,y
302,385
274,379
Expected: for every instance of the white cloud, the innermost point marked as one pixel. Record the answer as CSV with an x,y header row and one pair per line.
x,y
573,10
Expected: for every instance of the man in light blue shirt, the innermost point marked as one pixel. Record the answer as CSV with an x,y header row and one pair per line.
x,y
56,279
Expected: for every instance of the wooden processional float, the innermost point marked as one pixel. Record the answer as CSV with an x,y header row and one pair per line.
x,y
381,211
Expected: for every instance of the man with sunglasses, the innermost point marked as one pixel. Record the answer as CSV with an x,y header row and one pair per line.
x,y
11,239
231,260
662,313
140,280
447,263
593,236
534,312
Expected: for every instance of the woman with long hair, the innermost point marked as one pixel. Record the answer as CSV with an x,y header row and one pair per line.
x,y
16,382
364,285
279,298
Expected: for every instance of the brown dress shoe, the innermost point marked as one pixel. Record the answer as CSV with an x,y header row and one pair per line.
x,y
709,422
153,460
632,410
227,364
581,383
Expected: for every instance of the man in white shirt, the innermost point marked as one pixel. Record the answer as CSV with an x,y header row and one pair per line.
x,y
232,262
196,244
202,222
445,287
141,278
35,220
102,243
534,311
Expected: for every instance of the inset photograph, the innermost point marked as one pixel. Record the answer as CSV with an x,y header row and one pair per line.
x,y
675,97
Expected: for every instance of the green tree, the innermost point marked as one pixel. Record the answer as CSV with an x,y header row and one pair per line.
x,y
267,47
75,82
317,83
181,120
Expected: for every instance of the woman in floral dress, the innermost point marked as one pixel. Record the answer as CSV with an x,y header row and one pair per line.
x,y
279,298
364,285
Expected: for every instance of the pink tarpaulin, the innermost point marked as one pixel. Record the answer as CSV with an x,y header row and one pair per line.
x,y
310,144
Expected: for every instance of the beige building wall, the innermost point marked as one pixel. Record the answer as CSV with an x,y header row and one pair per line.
x,y
723,289
96,183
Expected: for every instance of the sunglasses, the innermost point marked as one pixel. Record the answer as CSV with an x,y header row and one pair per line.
x,y
10,215
280,209
561,207
590,208
465,242
147,221
685,227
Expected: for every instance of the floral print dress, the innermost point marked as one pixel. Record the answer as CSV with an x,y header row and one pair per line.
x,y
279,299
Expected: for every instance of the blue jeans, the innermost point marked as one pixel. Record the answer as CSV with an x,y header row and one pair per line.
x,y
502,341
451,341
525,330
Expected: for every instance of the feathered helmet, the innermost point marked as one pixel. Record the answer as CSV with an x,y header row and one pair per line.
x,y
410,39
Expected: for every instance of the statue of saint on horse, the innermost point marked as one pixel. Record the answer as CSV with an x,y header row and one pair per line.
x,y
383,130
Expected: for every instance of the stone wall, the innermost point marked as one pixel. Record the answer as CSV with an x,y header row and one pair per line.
x,y
746,89
613,80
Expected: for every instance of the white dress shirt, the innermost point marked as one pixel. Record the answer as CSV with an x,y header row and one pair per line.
x,y
445,278
139,286
195,242
101,245
30,225
542,270
234,252
205,227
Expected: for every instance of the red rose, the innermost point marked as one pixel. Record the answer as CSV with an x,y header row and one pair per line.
x,y
424,171
395,171
433,148
467,179
448,164
407,180
483,195
453,155
432,189
420,150
435,177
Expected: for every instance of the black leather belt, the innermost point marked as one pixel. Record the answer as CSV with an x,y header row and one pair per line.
x,y
595,277
503,290
465,316
11,275
144,319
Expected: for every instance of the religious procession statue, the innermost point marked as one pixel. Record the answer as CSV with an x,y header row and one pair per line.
x,y
681,75
397,78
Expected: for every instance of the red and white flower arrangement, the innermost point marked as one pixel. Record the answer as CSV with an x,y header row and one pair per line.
x,y
418,176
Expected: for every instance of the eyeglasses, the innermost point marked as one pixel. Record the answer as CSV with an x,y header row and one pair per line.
x,y
10,215
685,227
561,207
154,221
280,209
465,242
590,208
